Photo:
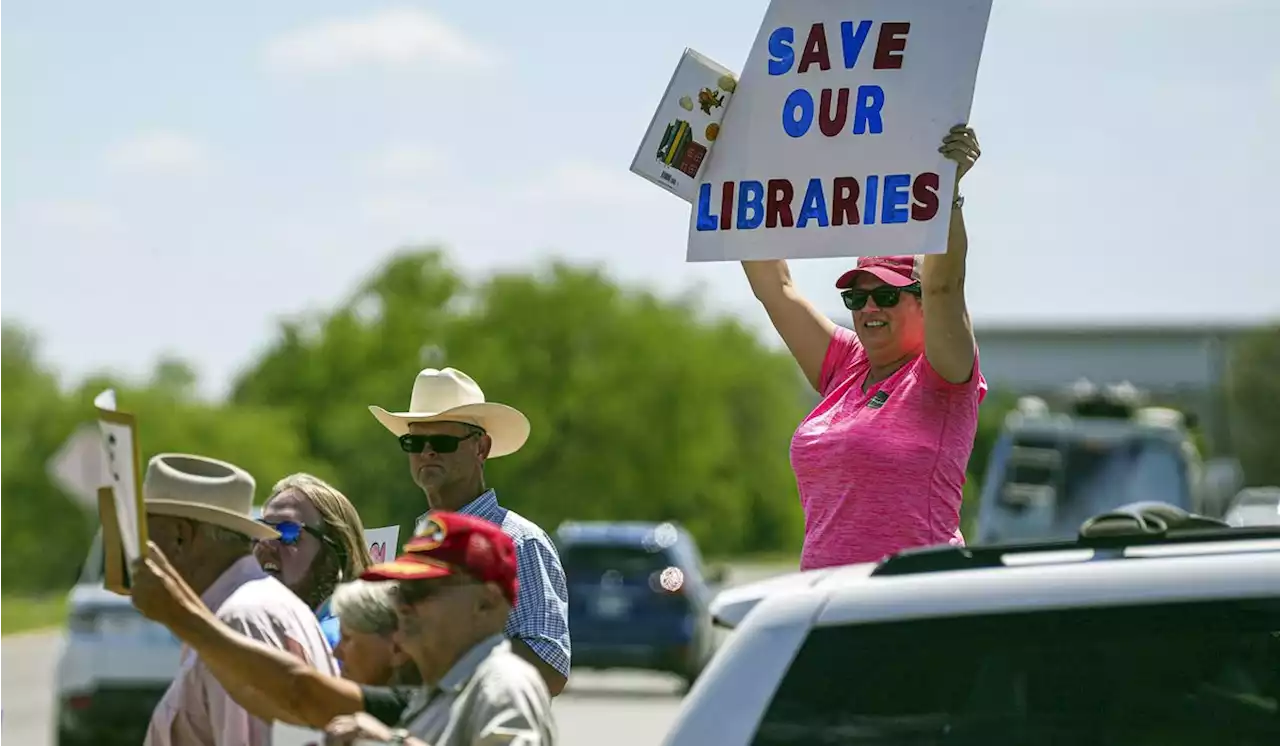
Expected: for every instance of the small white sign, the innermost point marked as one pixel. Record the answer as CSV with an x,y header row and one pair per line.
x,y
123,473
831,147
78,466
677,146
283,734
383,543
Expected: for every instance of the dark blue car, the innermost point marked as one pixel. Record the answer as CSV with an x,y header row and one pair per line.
x,y
638,597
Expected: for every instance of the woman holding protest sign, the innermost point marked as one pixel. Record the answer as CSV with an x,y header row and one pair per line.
x,y
880,462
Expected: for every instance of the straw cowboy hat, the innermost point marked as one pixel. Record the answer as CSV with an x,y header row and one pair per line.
x,y
203,489
450,395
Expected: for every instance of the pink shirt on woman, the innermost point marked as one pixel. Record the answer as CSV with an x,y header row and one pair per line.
x,y
882,471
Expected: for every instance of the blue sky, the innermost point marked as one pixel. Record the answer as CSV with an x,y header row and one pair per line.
x,y
203,170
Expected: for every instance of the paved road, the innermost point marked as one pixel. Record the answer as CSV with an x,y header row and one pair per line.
x,y
634,708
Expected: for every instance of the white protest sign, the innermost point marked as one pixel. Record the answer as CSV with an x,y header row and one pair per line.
x,y
123,472
383,543
283,734
831,146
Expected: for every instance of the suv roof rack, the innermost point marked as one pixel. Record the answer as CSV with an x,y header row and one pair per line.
x,y
1139,524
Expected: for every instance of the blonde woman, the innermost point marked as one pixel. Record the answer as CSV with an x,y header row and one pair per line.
x,y
321,543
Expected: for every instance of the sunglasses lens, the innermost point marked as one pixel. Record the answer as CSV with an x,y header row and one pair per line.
x,y
886,297
289,532
443,443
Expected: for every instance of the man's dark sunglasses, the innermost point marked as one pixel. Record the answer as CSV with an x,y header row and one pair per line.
x,y
411,443
291,531
885,296
413,592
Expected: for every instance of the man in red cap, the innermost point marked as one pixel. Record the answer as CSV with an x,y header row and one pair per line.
x,y
456,585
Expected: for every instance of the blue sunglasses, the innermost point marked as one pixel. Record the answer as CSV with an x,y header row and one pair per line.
x,y
291,532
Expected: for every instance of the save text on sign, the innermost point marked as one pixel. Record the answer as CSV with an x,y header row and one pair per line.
x,y
842,200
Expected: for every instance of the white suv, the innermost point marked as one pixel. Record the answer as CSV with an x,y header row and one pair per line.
x,y
114,666
1141,631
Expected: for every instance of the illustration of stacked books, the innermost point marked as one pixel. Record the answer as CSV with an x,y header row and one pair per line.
x,y
678,148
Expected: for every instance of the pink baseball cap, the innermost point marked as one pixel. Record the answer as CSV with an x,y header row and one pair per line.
x,y
898,271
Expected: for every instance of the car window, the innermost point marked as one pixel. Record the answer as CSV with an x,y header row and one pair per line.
x,y
587,562
1086,478
1204,673
693,560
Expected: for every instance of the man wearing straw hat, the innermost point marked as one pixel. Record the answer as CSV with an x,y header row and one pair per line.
x,y
199,515
449,432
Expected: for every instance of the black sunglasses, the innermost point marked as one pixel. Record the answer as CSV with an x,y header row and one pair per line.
x,y
413,592
885,296
411,443
291,532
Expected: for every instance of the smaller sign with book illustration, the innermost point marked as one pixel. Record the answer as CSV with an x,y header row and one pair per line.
x,y
678,142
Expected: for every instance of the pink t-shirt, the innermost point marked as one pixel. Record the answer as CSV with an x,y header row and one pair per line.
x,y
884,470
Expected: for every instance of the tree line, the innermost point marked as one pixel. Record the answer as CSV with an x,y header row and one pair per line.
x,y
643,407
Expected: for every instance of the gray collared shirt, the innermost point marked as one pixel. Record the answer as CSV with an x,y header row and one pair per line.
x,y
491,696
540,618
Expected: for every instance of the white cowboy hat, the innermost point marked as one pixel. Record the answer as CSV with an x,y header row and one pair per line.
x,y
203,489
450,395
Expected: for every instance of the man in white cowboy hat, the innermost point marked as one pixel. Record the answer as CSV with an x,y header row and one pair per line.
x,y
449,432
199,516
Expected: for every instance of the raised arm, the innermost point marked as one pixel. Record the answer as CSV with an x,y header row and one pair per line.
x,y
948,333
269,683
805,330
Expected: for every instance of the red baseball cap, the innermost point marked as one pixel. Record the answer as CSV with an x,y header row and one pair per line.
x,y
451,543
898,271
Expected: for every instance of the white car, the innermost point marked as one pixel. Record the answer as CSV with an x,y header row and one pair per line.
x,y
1255,506
114,665
1135,633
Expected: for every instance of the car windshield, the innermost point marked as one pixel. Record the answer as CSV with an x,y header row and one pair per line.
x,y
588,562
1203,673
1050,487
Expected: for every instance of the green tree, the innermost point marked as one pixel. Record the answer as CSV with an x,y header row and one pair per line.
x,y
264,441
641,407
44,531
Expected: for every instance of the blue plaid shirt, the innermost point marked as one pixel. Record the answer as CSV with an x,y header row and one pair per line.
x,y
541,614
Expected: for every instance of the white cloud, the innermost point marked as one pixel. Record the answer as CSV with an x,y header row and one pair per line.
x,y
397,38
159,151
582,182
405,160
76,215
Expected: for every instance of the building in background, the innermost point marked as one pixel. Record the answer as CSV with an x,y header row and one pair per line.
x,y
1180,365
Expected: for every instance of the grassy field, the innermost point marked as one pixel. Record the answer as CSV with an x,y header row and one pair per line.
x,y
24,613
